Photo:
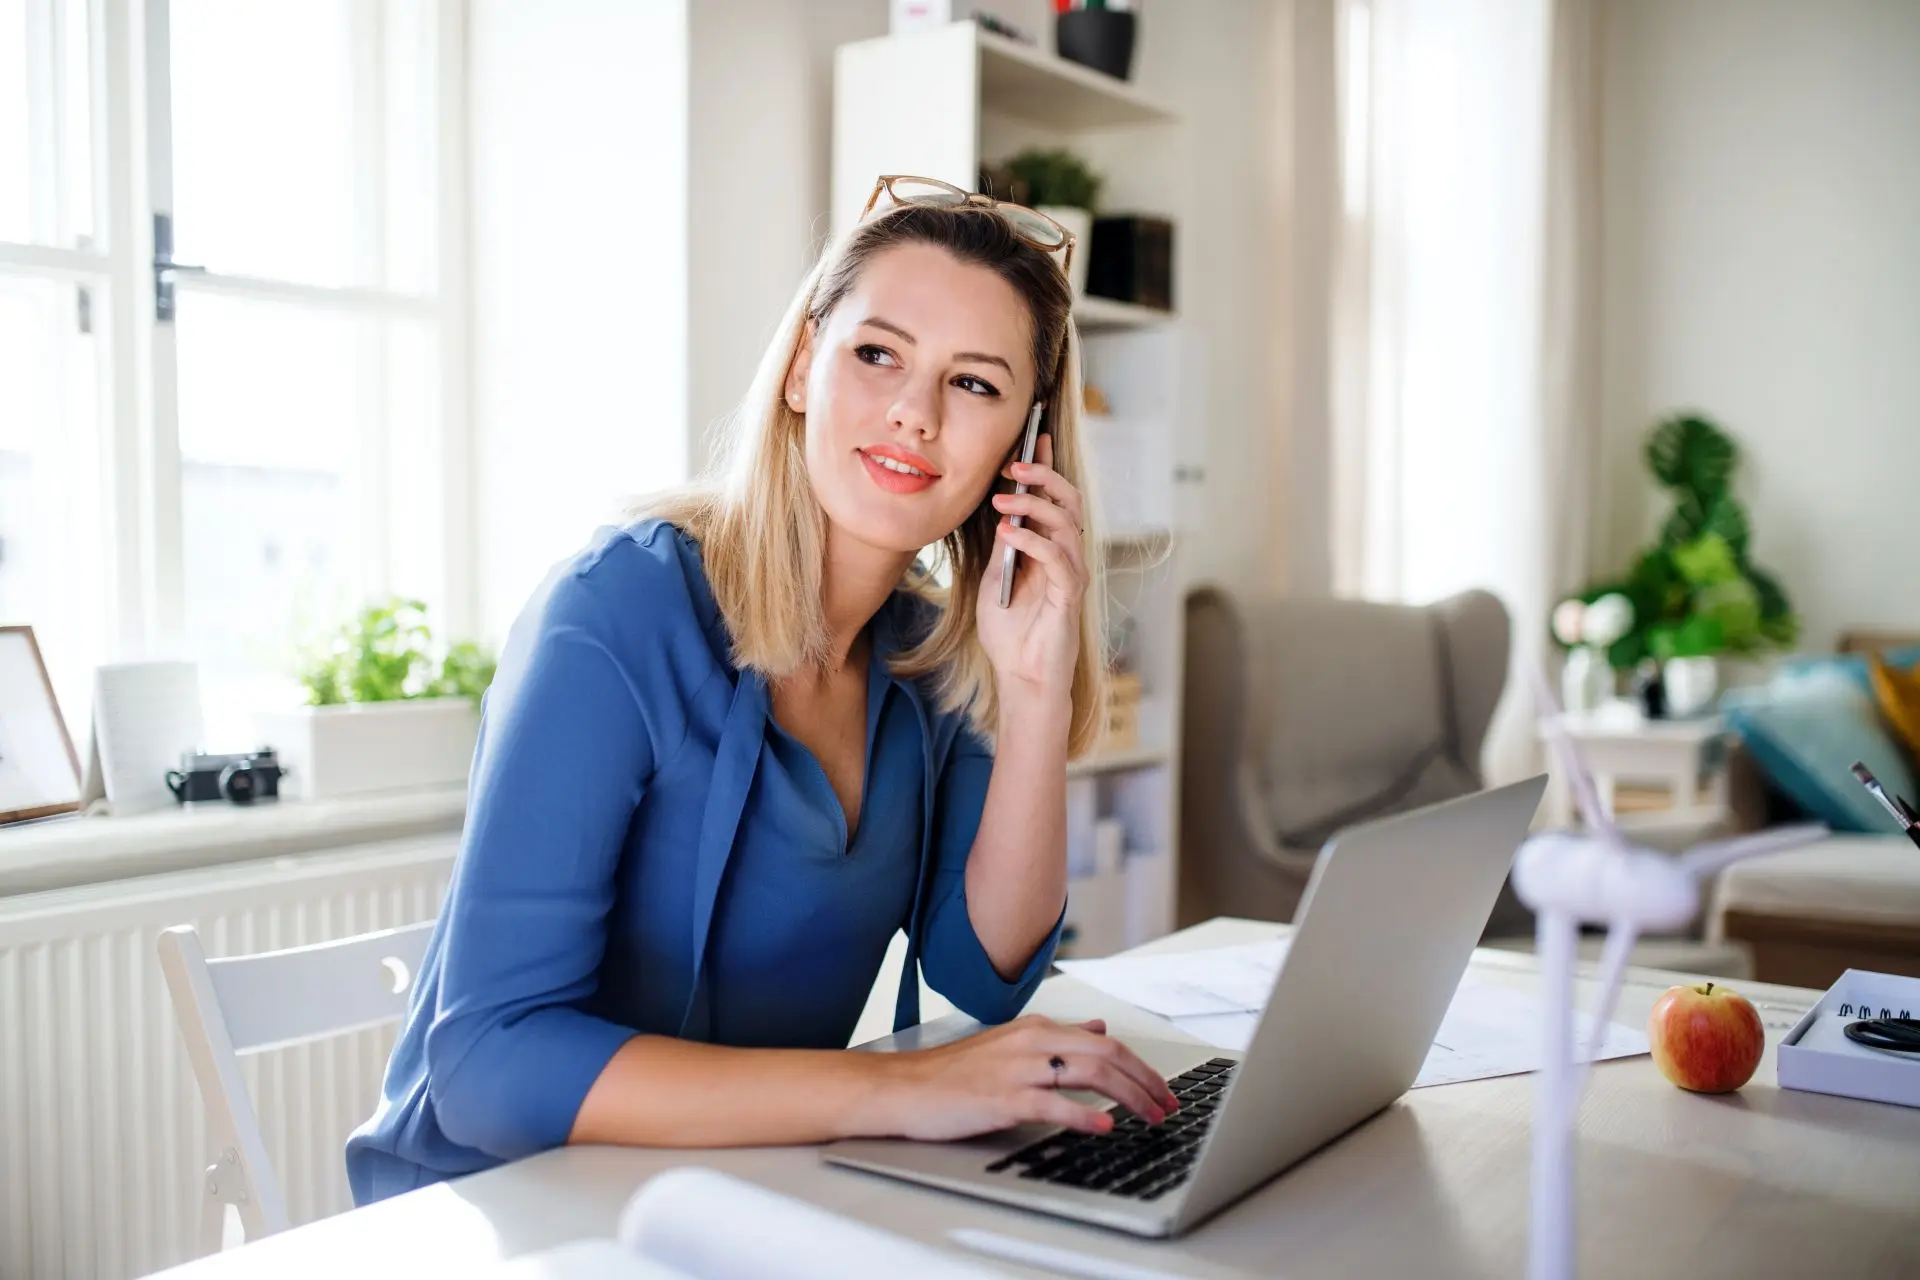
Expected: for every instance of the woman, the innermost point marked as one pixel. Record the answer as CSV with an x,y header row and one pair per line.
x,y
737,744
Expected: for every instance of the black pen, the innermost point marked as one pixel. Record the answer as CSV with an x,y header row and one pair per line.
x,y
1895,805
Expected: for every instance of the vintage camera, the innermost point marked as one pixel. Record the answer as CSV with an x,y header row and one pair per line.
x,y
243,778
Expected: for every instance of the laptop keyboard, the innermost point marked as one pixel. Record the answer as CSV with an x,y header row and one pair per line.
x,y
1134,1159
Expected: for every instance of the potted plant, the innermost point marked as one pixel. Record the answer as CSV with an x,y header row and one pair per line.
x,y
1696,595
1058,183
387,710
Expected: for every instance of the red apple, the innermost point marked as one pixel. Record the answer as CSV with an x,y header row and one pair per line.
x,y
1707,1038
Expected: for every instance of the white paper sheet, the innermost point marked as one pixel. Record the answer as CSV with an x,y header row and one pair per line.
x,y
1220,980
1216,996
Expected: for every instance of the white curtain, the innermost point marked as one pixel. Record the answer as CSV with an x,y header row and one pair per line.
x,y
1464,328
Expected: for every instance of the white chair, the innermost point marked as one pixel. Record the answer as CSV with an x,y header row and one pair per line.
x,y
271,1000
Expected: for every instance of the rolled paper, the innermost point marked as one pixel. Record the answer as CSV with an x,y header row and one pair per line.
x,y
712,1226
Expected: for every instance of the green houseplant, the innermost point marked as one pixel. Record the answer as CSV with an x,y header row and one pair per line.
x,y
387,707
1057,182
1053,176
386,653
1696,593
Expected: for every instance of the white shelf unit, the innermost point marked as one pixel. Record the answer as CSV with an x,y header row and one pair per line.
x,y
1103,315
937,103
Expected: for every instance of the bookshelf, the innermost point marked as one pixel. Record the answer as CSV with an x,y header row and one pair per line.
x,y
938,103
1105,315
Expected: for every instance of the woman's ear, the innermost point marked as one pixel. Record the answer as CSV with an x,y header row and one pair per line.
x,y
799,368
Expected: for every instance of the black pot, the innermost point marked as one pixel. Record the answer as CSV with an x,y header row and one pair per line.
x,y
1097,38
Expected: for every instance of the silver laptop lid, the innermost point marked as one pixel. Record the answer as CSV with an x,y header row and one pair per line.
x,y
1390,918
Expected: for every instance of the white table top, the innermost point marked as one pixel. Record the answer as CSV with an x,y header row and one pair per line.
x,y
1623,720
1763,1182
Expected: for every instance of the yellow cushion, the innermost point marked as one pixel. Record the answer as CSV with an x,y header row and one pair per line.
x,y
1898,693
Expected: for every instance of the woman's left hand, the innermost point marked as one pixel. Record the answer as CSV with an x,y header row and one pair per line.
x,y
1034,642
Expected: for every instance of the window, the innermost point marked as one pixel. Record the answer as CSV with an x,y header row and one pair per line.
x,y
262,438
52,521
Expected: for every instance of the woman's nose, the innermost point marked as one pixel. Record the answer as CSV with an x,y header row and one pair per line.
x,y
916,411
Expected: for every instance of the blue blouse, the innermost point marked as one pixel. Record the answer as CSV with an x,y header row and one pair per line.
x,y
646,850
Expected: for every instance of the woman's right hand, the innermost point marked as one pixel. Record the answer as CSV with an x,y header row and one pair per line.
x,y
1004,1076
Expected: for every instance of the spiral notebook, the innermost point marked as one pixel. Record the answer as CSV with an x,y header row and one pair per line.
x,y
1817,1057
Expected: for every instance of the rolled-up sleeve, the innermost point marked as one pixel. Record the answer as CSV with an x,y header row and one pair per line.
x,y
566,751
952,957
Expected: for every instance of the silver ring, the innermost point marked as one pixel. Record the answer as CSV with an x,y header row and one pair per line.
x,y
1058,1064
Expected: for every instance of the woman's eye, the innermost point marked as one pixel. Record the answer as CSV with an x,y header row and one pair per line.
x,y
868,353
977,386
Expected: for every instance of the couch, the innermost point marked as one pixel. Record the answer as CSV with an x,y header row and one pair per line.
x,y
1849,901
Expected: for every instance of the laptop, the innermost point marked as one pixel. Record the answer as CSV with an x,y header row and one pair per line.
x,y
1390,918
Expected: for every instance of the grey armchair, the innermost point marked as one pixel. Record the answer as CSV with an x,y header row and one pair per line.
x,y
1302,716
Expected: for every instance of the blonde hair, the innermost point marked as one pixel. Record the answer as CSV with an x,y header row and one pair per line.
x,y
762,532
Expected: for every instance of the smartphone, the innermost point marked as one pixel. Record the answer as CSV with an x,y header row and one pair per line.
x,y
1028,443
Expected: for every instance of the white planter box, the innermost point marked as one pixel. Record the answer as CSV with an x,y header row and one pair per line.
x,y
375,746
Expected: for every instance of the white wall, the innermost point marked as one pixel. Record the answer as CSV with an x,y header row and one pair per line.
x,y
1761,259
1224,74
579,346
760,95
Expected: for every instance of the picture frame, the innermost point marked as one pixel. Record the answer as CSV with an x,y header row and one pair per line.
x,y
39,770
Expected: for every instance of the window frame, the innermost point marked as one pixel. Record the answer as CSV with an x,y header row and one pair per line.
x,y
136,354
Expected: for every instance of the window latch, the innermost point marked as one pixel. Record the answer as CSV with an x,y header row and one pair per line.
x,y
165,270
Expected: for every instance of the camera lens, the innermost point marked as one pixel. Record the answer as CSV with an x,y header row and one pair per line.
x,y
238,784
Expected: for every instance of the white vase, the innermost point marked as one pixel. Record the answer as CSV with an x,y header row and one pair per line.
x,y
1690,685
1079,225
1586,681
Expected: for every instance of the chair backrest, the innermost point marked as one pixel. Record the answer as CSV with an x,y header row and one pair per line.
x,y
269,1000
1303,715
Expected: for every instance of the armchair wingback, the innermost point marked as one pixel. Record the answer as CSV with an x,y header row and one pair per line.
x,y
1303,716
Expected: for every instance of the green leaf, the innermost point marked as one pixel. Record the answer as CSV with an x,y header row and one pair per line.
x,y
1628,651
1693,519
1727,519
1691,454
1054,176
1706,561
465,672
1697,637
1734,607
1773,598
384,653
1779,626
1782,632
1686,523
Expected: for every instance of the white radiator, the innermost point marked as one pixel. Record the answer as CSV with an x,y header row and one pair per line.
x,y
102,1134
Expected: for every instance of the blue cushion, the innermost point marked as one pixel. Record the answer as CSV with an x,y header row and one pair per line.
x,y
1806,728
1851,665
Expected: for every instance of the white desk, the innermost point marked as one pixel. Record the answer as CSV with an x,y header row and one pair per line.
x,y
1765,1182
